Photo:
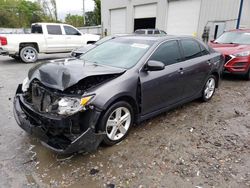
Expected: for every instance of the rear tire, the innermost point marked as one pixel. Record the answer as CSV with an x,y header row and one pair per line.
x,y
116,122
209,88
28,54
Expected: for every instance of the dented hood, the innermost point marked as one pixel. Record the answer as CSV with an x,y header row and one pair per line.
x,y
64,73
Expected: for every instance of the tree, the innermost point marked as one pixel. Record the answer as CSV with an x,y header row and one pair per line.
x,y
50,9
74,20
97,12
19,13
90,18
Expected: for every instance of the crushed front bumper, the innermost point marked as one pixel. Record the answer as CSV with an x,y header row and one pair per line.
x,y
33,123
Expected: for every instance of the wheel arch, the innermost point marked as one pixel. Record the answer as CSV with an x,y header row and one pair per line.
x,y
217,75
33,44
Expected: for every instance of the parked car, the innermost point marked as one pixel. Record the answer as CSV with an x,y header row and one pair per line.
x,y
83,49
235,45
75,104
44,38
149,31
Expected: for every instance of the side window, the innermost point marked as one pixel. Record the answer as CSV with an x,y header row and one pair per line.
x,y
70,30
54,29
157,32
150,32
191,49
204,50
168,53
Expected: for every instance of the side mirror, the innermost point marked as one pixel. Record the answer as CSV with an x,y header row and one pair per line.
x,y
154,66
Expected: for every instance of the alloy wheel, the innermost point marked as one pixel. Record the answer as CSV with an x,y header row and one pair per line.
x,y
209,88
118,123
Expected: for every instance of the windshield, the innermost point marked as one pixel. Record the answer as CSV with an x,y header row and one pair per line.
x,y
103,40
118,52
234,38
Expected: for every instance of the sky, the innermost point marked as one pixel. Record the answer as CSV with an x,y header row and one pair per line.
x,y
73,7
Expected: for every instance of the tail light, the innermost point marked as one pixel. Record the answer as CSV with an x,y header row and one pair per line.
x,y
3,41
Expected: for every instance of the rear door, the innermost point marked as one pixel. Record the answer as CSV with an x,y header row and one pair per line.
x,y
55,40
197,66
74,38
163,88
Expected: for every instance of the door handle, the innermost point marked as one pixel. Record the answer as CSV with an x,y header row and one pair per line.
x,y
181,71
209,62
50,38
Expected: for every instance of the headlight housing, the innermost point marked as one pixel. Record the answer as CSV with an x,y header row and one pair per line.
x,y
70,106
25,85
242,54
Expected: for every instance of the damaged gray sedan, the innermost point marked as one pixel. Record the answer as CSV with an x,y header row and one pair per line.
x,y
75,104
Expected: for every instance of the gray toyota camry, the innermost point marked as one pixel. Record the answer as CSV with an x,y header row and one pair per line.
x,y
75,104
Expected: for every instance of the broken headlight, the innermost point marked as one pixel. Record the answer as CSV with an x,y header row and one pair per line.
x,y
69,106
25,85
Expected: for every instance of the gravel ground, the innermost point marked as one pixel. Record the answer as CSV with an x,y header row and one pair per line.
x,y
197,145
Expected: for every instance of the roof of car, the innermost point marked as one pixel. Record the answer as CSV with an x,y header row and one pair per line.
x,y
240,30
160,37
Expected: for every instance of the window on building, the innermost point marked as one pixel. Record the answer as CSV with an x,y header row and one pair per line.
x,y
54,29
168,53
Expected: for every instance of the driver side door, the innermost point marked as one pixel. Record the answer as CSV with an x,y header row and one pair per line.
x,y
164,88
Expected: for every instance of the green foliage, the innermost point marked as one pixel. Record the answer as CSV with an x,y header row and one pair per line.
x,y
74,20
94,18
97,11
21,13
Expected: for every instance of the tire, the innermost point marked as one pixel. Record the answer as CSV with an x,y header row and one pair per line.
x,y
247,75
116,130
209,88
28,54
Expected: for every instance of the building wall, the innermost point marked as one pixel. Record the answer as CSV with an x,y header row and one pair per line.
x,y
245,20
224,12
213,11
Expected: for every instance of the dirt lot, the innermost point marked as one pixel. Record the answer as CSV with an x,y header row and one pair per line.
x,y
197,145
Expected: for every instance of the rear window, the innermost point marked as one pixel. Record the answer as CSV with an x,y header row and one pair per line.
x,y
54,29
36,29
191,49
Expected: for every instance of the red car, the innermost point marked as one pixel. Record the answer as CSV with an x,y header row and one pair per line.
x,y
235,46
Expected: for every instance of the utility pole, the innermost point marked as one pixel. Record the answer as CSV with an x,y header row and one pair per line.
x,y
239,16
83,8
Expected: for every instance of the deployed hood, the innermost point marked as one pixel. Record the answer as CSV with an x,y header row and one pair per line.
x,y
62,74
229,49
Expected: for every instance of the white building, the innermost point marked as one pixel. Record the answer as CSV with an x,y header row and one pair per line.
x,y
178,17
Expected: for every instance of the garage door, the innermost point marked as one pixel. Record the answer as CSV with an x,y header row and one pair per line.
x,y
145,16
145,11
183,17
118,21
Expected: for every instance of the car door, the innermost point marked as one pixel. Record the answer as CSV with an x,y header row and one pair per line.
x,y
55,40
74,38
160,89
196,66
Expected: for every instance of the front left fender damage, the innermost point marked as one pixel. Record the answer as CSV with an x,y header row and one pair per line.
x,y
62,134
